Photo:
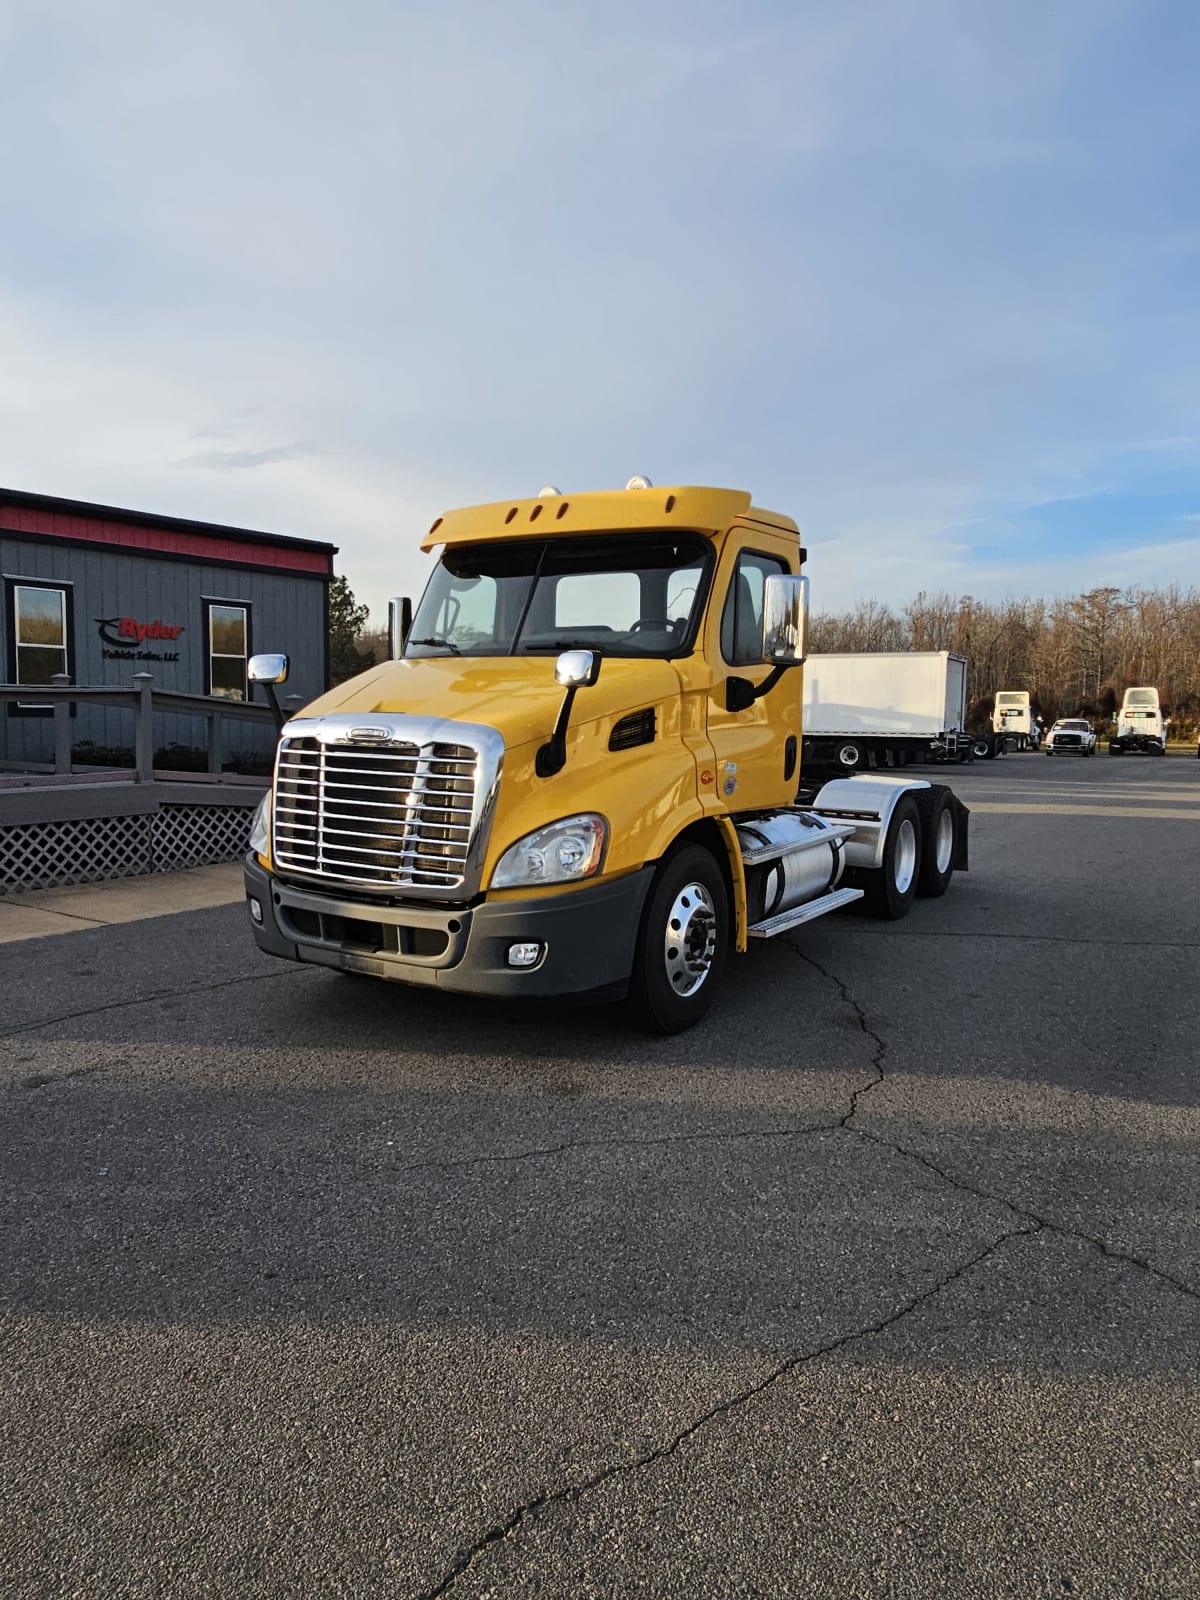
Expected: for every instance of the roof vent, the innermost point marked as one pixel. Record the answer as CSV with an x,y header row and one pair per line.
x,y
639,482
548,491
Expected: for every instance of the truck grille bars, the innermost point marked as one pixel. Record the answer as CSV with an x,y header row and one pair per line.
x,y
392,803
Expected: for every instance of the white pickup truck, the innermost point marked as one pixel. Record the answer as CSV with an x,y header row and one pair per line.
x,y
1071,736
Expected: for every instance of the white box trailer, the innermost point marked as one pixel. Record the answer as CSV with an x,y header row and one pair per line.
x,y
887,709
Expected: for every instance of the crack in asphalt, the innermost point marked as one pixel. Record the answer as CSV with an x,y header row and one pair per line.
x,y
877,1039
530,1510
1048,1223
1029,1223
619,1143
951,1178
146,1000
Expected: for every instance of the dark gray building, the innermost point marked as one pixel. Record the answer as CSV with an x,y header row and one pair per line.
x,y
101,594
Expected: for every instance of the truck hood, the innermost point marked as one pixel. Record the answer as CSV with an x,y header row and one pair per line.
x,y
516,695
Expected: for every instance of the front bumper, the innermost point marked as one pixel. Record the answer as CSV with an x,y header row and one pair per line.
x,y
587,936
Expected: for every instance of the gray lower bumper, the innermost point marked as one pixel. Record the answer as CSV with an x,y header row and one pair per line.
x,y
587,936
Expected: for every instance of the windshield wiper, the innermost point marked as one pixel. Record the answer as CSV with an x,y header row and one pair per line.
x,y
593,645
444,643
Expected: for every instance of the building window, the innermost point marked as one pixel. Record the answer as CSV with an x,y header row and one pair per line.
x,y
227,630
39,634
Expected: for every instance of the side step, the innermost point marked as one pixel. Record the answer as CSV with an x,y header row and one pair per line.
x,y
805,913
823,832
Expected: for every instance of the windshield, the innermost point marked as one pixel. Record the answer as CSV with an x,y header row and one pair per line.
x,y
639,594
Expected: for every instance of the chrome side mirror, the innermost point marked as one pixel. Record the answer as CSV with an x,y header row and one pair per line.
x,y
576,669
268,669
785,619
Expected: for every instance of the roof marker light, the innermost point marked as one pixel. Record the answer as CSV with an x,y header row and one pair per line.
x,y
548,492
639,482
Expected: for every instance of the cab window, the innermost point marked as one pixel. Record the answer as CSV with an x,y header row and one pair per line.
x,y
742,618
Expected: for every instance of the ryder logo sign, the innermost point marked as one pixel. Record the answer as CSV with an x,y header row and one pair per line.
x,y
126,639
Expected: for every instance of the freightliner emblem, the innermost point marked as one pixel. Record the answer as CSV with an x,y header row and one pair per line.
x,y
370,733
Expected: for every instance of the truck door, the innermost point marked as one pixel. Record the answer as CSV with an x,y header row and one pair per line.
x,y
751,746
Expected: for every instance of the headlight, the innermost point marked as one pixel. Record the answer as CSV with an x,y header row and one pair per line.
x,y
260,828
560,853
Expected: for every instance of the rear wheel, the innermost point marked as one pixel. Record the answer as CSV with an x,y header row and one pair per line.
x,y
683,942
890,890
848,756
982,748
939,837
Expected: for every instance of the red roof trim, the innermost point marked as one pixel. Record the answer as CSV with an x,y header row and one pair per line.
x,y
241,547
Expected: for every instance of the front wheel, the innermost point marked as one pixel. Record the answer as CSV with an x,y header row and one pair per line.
x,y
890,890
982,749
682,943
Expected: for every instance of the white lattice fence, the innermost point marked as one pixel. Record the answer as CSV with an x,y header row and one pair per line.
x,y
41,855
194,836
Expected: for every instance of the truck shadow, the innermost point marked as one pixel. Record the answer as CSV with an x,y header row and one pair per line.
x,y
687,1227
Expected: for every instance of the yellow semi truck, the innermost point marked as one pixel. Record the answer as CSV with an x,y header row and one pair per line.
x,y
578,774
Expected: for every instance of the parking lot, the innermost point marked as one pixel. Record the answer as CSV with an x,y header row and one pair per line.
x,y
885,1281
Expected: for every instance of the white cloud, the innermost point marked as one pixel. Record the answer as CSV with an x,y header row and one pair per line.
x,y
896,270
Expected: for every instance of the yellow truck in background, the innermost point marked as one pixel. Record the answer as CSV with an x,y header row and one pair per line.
x,y
578,773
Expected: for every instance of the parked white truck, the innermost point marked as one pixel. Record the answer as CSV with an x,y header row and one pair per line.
x,y
888,709
1141,724
1015,718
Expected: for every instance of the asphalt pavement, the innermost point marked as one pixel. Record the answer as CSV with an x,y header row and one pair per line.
x,y
884,1282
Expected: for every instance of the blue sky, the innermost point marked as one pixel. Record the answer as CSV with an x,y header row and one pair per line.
x,y
922,274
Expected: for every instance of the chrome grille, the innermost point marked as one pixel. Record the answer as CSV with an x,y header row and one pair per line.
x,y
394,814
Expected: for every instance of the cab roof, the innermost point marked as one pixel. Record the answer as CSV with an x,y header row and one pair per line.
x,y
603,511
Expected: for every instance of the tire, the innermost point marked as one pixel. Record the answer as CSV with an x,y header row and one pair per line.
x,y
891,889
682,943
939,840
1159,750
848,755
1049,749
982,749
1115,750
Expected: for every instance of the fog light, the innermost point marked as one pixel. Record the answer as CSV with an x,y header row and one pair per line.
x,y
255,910
524,955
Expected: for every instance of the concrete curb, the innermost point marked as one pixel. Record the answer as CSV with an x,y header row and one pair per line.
x,y
39,913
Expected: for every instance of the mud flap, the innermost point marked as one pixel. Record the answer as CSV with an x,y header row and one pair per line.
x,y
961,832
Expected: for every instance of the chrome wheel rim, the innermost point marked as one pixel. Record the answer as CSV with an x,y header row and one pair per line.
x,y
943,847
848,755
691,939
905,865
